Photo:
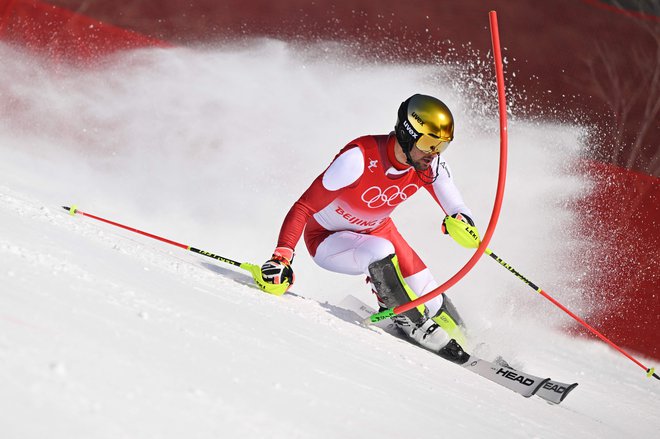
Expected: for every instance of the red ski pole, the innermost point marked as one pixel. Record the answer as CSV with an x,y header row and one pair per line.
x,y
650,372
466,236
254,270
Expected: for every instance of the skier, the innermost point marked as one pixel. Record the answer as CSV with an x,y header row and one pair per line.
x,y
345,215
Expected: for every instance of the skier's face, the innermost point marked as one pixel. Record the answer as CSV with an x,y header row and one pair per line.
x,y
421,160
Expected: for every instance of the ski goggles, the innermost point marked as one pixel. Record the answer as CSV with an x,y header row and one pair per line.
x,y
430,144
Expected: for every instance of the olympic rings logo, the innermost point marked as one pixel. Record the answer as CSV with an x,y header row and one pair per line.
x,y
376,197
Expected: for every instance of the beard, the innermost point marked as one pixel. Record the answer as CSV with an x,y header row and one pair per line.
x,y
421,164
426,173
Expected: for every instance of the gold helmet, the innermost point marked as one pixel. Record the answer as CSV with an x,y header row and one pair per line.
x,y
425,122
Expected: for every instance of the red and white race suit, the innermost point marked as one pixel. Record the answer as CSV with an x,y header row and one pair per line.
x,y
345,213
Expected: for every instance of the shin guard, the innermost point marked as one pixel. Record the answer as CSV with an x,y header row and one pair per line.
x,y
392,290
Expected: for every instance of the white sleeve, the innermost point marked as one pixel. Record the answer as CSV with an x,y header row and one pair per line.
x,y
344,170
446,191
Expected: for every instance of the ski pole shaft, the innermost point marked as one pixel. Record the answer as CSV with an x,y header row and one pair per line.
x,y
75,211
649,371
254,270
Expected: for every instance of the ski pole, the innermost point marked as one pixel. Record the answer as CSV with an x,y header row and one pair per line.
x,y
649,371
254,270
466,236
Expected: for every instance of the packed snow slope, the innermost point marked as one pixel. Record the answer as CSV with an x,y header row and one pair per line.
x,y
109,334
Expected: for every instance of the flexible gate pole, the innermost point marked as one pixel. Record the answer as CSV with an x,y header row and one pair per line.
x,y
497,55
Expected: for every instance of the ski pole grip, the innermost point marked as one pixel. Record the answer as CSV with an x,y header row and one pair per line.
x,y
464,234
255,271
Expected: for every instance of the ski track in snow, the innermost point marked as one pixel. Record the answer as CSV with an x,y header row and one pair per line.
x,y
108,334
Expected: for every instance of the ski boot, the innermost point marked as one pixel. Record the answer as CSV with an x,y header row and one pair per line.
x,y
448,319
438,333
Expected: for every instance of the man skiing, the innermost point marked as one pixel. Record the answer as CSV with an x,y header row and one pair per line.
x,y
345,215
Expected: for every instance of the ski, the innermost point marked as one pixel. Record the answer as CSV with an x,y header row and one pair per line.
x,y
522,383
555,391
552,391
498,371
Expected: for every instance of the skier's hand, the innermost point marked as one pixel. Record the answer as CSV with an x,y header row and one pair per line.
x,y
461,228
459,216
277,270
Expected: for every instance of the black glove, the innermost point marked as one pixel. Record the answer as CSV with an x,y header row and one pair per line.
x,y
277,269
459,216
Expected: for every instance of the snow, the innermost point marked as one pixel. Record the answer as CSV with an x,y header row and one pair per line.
x,y
108,334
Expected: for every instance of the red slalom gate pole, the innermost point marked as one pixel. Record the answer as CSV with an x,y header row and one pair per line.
x,y
499,70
